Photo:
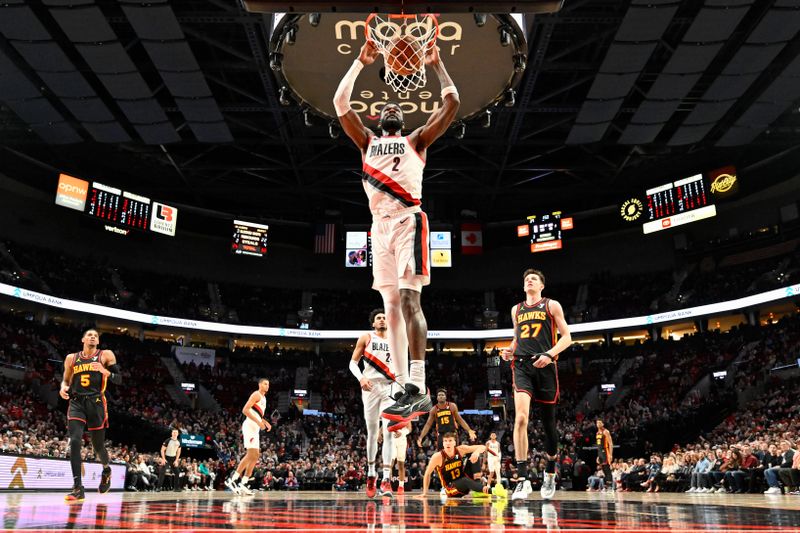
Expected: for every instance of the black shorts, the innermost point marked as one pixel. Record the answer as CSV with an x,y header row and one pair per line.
x,y
462,486
602,457
541,384
91,410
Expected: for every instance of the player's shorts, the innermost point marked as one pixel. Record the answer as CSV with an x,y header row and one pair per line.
x,y
602,457
401,250
376,400
91,410
399,449
493,463
463,486
251,435
541,384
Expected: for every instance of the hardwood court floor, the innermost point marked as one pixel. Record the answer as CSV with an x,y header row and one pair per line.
x,y
330,511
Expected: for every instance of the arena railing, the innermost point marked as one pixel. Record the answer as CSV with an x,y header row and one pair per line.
x,y
262,331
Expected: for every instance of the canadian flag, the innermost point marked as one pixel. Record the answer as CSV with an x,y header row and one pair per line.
x,y
471,239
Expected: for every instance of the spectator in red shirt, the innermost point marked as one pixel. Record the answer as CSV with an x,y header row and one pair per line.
x,y
736,478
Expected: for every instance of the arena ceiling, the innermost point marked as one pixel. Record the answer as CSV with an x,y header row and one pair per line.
x,y
177,100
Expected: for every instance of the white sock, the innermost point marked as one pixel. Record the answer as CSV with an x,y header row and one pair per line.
x,y
402,483
386,474
371,470
235,476
245,479
417,374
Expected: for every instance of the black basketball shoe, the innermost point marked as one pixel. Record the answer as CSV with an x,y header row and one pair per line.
x,y
412,403
77,495
105,480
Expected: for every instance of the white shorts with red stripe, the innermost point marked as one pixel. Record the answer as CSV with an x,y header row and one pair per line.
x,y
376,400
401,250
251,434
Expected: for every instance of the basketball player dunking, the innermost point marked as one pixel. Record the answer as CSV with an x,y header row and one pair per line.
x,y
375,381
393,165
84,385
533,354
445,415
253,423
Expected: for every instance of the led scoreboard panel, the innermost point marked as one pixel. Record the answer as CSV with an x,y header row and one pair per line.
x,y
678,203
249,238
123,208
545,232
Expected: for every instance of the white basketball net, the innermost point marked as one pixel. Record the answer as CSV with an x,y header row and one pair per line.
x,y
404,72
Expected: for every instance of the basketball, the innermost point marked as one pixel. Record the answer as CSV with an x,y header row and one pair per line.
x,y
404,56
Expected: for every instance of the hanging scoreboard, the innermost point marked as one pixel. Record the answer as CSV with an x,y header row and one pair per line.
x,y
249,238
677,203
118,207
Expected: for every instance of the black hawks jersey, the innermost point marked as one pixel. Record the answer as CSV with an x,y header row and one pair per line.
x,y
603,447
444,420
536,328
85,381
451,469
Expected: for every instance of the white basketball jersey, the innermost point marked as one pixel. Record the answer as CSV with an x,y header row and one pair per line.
x,y
259,408
377,360
495,447
392,174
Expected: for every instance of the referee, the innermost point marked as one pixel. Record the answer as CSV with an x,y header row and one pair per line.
x,y
170,455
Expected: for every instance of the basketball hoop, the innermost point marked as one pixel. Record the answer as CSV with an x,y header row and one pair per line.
x,y
403,40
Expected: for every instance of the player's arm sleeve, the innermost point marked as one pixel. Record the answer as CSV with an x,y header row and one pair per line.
x,y
358,353
116,374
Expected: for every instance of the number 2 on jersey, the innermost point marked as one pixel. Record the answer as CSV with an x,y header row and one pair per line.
x,y
396,162
527,331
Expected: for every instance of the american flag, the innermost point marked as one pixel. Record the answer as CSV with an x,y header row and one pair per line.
x,y
323,238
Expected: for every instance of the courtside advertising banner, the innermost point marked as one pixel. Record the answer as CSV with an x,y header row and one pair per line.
x,y
19,472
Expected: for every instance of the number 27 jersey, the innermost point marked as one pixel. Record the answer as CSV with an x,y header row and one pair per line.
x,y
536,329
392,174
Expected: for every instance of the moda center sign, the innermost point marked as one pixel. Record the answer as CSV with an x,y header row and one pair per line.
x,y
484,61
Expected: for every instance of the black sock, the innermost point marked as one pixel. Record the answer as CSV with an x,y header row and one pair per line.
x,y
551,466
75,436
522,469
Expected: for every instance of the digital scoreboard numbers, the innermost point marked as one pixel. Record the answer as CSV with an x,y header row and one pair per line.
x,y
677,203
249,238
103,202
123,208
545,232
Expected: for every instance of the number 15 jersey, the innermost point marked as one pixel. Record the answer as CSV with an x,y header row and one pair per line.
x,y
392,175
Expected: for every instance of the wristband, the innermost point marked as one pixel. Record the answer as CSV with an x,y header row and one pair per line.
x,y
450,89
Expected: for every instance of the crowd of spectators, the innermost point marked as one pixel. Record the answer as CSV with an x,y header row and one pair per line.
x,y
328,450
